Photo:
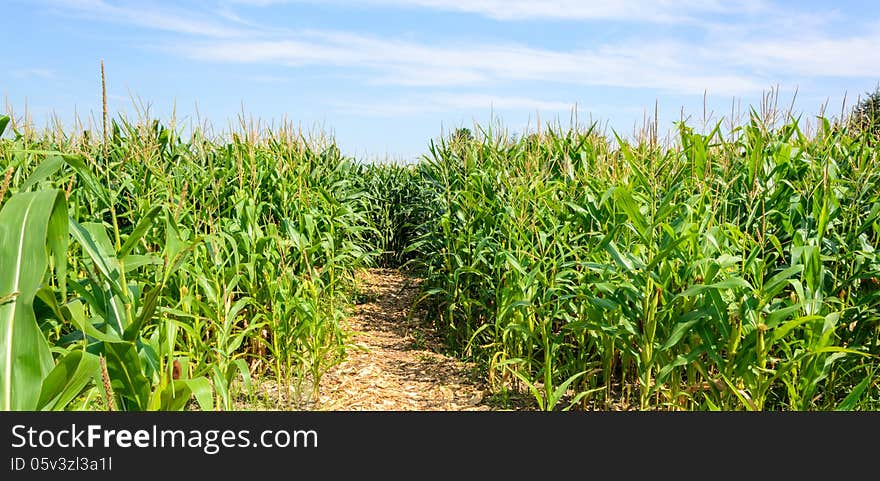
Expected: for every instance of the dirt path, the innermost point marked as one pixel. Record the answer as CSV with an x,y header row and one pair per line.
x,y
397,366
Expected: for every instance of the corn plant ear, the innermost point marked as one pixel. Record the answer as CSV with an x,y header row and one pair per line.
x,y
32,224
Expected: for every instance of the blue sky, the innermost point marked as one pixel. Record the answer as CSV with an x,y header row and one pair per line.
x,y
386,76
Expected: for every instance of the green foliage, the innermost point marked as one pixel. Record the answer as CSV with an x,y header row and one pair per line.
x,y
730,272
189,266
32,227
866,115
723,272
397,200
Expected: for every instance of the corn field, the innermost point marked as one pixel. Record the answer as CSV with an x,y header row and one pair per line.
x,y
179,267
149,270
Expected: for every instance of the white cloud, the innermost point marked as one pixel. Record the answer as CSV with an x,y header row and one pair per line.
x,y
150,16
811,56
657,11
650,11
269,79
258,3
726,58
666,66
448,102
41,73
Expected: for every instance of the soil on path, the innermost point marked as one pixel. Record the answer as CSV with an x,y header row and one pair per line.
x,y
394,363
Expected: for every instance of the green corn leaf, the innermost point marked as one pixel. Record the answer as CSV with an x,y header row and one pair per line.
x,y
151,301
852,399
785,328
625,201
561,389
140,229
77,317
132,262
778,282
77,162
68,379
202,391
32,224
43,171
88,178
126,375
729,283
242,368
172,396
98,252
681,328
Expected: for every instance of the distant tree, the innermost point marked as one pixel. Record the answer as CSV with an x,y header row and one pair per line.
x,y
460,141
462,135
866,115
533,140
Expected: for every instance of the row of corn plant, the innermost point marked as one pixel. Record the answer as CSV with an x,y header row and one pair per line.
x,y
399,205
719,271
180,266
147,269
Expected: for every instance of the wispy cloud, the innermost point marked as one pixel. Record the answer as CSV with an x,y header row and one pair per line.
x,y
725,57
451,102
269,79
811,56
666,66
154,17
258,3
654,11
41,73
650,11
